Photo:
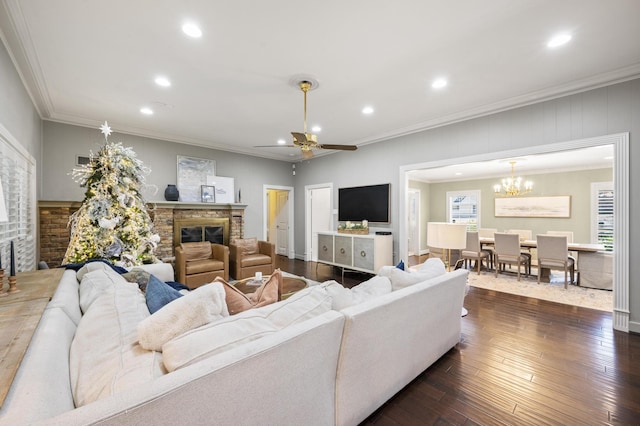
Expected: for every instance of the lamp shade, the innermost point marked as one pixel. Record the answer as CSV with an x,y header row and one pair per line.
x,y
3,209
447,235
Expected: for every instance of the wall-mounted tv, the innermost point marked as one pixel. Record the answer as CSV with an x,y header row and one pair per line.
x,y
369,203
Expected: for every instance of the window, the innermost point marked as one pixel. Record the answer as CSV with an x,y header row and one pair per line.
x,y
464,207
602,205
17,173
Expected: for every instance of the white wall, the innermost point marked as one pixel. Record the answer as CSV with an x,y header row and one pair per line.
x,y
18,116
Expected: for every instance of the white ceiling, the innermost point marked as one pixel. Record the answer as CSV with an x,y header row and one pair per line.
x,y
85,62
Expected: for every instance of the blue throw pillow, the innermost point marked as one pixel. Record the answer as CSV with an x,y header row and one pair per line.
x,y
400,265
159,294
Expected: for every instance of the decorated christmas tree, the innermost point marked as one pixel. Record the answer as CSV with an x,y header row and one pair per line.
x,y
112,222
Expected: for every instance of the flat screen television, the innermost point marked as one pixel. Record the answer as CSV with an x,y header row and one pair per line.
x,y
369,203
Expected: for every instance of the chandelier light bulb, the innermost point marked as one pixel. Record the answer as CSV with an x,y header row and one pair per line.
x,y
512,186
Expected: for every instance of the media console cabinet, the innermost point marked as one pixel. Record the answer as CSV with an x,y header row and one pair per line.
x,y
365,253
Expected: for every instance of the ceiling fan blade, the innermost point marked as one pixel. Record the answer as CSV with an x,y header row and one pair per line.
x,y
340,147
299,138
276,146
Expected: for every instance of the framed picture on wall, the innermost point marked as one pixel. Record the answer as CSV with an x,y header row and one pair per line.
x,y
192,173
555,206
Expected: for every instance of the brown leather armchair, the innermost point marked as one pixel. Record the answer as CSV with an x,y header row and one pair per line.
x,y
248,256
200,263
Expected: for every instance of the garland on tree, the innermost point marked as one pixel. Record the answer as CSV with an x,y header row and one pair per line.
x,y
112,222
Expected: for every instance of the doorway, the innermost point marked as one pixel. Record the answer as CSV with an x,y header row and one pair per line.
x,y
318,218
278,219
620,142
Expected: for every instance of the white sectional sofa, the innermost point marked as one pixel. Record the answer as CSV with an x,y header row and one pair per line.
x,y
332,367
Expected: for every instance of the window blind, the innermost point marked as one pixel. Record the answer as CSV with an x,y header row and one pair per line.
x,y
17,173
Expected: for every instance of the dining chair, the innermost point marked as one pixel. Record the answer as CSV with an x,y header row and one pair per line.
x,y
525,234
487,233
507,251
553,253
473,251
568,234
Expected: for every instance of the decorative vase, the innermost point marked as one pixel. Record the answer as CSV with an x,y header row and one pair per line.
x,y
171,193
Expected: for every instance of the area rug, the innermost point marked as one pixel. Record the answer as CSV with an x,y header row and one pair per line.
x,y
553,291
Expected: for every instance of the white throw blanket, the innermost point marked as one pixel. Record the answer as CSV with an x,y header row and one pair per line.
x,y
198,307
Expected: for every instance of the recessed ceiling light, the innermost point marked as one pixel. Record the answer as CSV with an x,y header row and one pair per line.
x,y
559,40
146,111
367,110
162,81
316,129
439,83
281,142
192,30
458,173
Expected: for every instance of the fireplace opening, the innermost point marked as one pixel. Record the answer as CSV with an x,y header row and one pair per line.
x,y
214,230
196,234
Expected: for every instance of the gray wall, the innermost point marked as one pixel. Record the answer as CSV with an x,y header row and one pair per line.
x,y
63,142
603,111
17,113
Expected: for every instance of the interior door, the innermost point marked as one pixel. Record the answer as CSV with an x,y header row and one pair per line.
x,y
282,223
319,211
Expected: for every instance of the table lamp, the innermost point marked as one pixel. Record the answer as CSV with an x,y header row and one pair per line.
x,y
447,236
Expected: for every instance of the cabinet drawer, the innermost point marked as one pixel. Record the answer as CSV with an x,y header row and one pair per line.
x,y
343,250
363,253
325,248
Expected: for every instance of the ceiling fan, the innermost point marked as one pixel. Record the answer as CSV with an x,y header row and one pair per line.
x,y
308,141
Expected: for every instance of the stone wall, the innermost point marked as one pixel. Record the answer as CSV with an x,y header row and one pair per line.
x,y
54,234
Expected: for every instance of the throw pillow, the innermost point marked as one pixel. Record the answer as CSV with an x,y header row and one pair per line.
x,y
373,287
159,294
139,276
433,266
267,293
203,305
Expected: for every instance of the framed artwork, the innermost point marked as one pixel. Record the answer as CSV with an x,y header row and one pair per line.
x,y
207,194
555,207
191,174
224,188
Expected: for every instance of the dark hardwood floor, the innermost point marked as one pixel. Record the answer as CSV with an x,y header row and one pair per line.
x,y
520,361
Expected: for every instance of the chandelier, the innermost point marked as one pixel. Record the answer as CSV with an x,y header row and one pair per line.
x,y
513,186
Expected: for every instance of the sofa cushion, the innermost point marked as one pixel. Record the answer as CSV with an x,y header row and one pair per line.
x,y
431,268
199,266
343,297
105,357
96,283
159,294
196,251
254,260
247,245
214,338
305,304
267,293
200,306
236,330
